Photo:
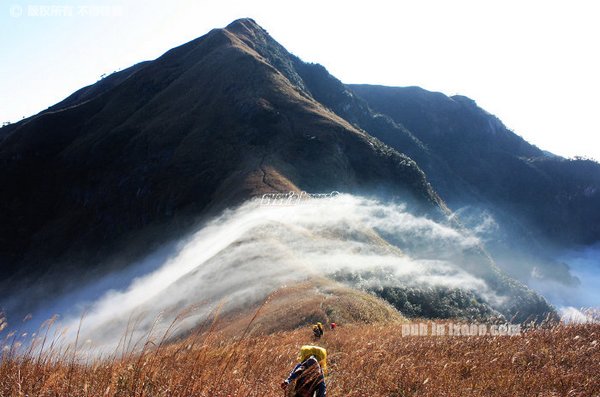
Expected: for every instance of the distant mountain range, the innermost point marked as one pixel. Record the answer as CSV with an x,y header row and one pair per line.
x,y
148,153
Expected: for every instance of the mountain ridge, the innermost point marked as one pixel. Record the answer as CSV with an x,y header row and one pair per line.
x,y
86,145
149,153
546,203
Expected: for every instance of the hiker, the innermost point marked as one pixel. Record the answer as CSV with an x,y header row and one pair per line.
x,y
309,374
333,326
318,330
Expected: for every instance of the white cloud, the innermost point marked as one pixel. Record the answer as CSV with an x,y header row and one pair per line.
x,y
248,252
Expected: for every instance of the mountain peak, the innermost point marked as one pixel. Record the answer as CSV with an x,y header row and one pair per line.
x,y
244,25
240,123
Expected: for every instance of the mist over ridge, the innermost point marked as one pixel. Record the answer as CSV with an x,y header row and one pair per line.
x,y
136,160
248,252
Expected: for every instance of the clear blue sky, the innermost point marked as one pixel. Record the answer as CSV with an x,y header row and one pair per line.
x,y
535,64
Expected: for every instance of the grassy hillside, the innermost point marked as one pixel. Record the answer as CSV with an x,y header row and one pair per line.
x,y
364,360
317,299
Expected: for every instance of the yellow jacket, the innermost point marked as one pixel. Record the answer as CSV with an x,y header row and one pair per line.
x,y
320,354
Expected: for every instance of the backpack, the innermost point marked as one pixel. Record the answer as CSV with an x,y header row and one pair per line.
x,y
318,352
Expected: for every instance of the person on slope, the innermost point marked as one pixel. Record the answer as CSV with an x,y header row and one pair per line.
x,y
309,374
318,330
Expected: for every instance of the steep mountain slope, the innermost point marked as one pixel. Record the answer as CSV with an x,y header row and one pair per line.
x,y
205,126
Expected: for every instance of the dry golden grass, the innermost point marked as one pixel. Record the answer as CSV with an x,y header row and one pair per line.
x,y
364,360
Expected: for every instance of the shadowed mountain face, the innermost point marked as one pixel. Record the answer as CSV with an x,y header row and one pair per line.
x,y
541,203
144,155
559,198
207,125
